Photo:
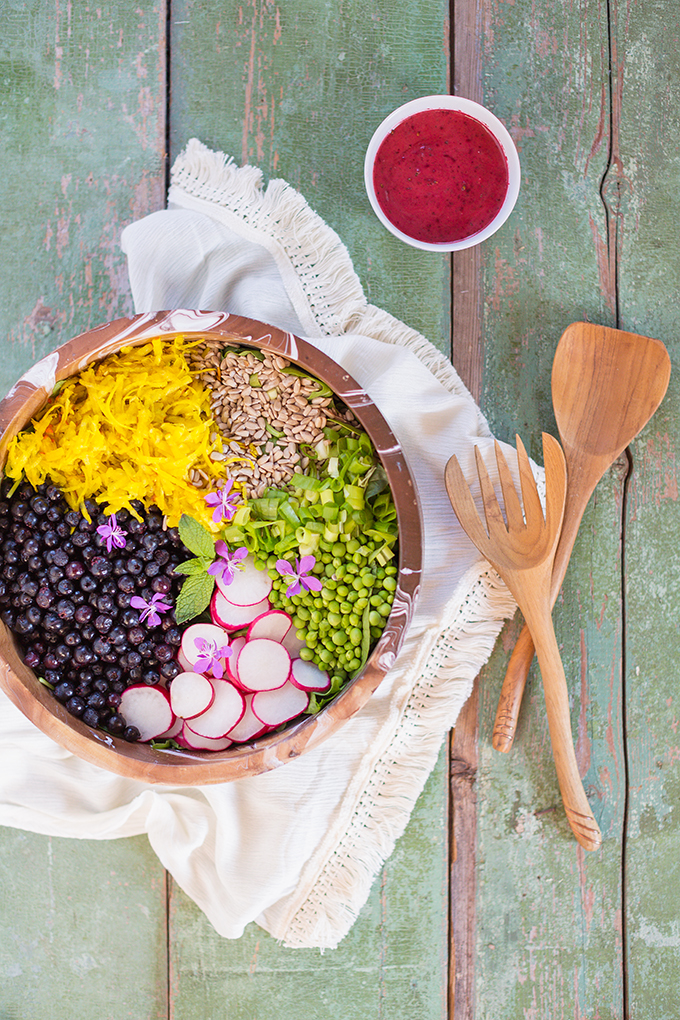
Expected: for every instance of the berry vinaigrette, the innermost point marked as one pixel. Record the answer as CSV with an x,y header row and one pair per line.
x,y
440,176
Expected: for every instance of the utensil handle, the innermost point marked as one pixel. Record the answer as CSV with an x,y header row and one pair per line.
x,y
514,682
578,810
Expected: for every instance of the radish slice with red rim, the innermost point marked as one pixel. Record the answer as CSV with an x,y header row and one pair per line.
x,y
205,642
230,617
195,742
279,706
191,694
263,665
248,587
293,644
232,662
225,711
308,677
173,732
274,625
148,709
249,727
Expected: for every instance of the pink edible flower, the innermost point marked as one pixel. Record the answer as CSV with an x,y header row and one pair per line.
x,y
151,609
112,533
228,563
300,577
211,657
223,501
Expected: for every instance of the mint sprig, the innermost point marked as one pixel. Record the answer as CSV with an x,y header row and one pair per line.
x,y
197,590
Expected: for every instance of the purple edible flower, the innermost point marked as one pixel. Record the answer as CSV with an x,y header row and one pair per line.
x,y
224,568
300,577
211,657
223,501
112,533
150,609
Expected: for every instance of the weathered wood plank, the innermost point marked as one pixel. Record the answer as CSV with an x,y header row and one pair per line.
x,y
647,66
82,929
548,915
392,964
298,89
82,925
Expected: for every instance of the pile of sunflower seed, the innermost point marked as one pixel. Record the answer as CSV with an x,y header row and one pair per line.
x,y
265,415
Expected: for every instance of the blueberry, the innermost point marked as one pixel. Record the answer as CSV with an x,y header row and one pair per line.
x,y
75,705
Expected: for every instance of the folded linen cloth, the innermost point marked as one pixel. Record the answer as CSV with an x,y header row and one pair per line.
x,y
296,849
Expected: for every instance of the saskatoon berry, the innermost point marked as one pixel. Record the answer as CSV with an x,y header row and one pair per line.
x,y
65,608
115,723
113,699
101,647
135,635
118,637
100,566
91,718
101,684
55,575
87,584
74,570
96,700
75,705
83,655
135,565
164,653
63,691
33,615
169,670
84,614
32,659
126,583
73,639
60,558
22,625
150,677
53,676
34,563
103,623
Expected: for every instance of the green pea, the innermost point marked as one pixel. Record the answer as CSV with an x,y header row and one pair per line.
x,y
342,590
385,609
353,546
390,583
345,608
375,600
375,619
325,654
273,574
354,619
338,637
390,569
361,603
335,619
338,549
355,636
307,654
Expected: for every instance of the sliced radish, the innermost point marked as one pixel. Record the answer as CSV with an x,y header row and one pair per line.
x,y
308,677
147,708
174,730
190,694
196,742
248,587
225,711
293,644
199,635
232,662
182,659
230,617
263,665
249,726
274,625
276,707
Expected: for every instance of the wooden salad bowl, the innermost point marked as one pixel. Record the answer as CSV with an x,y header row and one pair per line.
x,y
184,767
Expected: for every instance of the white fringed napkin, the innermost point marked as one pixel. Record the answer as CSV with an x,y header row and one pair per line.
x,y
295,849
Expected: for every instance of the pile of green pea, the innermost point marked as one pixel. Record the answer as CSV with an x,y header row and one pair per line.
x,y
341,623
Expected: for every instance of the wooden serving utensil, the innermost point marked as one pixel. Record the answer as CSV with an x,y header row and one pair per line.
x,y
606,385
523,553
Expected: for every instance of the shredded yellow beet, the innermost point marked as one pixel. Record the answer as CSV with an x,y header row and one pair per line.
x,y
130,427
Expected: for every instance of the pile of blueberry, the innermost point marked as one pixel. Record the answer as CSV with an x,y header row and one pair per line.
x,y
67,598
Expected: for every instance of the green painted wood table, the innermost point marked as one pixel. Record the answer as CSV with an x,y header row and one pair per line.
x,y
487,909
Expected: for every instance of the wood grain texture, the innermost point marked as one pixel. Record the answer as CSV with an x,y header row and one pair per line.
x,y
647,79
82,929
298,89
548,917
82,122
392,964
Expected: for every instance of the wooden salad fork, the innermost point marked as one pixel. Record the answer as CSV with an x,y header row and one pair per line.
x,y
522,551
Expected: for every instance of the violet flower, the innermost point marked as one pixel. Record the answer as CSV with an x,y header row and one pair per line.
x,y
225,566
223,501
150,609
112,533
211,657
300,577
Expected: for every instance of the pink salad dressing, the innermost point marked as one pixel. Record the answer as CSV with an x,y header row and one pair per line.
x,y
440,176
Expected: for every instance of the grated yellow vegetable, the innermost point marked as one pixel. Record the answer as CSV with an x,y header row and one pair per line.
x,y
130,427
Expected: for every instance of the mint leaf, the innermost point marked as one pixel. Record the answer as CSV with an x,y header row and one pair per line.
x,y
194,597
192,567
196,537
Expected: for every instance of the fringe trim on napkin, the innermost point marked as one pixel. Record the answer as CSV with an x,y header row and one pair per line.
x,y
327,294
329,902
